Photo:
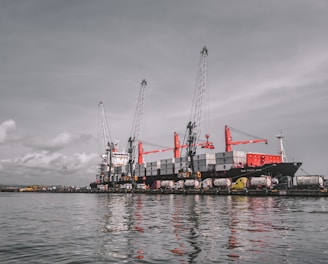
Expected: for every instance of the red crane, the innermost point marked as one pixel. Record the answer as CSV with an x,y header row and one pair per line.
x,y
176,149
229,142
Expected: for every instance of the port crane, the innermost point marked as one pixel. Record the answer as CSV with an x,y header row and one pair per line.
x,y
194,125
176,149
230,143
136,129
106,138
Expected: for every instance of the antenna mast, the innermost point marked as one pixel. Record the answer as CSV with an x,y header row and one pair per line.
x,y
282,152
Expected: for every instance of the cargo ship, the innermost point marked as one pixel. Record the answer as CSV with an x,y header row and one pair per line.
x,y
114,169
228,164
127,169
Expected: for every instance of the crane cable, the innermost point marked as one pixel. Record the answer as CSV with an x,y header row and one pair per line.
x,y
244,133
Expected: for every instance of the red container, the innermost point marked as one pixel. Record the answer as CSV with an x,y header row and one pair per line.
x,y
260,159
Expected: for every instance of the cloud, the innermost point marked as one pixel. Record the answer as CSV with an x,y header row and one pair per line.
x,y
45,167
60,141
5,127
54,160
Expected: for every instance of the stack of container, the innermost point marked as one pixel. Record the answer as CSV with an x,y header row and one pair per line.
x,y
180,163
140,170
152,167
167,166
230,159
202,162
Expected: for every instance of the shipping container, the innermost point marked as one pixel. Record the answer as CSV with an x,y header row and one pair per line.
x,y
259,159
192,184
167,161
181,159
154,164
166,171
310,180
179,184
222,182
223,167
241,183
167,184
205,156
207,183
230,154
167,166
263,181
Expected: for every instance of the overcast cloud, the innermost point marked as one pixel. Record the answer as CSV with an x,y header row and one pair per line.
x,y
267,71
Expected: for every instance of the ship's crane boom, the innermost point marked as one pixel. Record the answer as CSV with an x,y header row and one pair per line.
x,y
229,142
136,127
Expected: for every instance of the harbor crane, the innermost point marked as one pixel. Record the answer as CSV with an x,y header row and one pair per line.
x,y
194,125
106,138
135,134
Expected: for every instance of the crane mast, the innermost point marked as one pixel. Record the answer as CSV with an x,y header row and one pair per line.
x,y
106,137
103,124
136,128
194,125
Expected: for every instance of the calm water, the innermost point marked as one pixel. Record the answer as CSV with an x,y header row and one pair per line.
x,y
137,228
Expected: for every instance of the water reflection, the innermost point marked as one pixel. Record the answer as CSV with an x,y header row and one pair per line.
x,y
254,226
201,229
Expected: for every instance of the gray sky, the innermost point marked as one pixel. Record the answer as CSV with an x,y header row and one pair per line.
x,y
267,71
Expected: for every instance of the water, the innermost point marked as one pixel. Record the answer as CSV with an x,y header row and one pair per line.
x,y
138,228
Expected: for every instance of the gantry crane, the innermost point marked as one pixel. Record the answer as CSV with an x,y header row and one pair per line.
x,y
229,142
135,134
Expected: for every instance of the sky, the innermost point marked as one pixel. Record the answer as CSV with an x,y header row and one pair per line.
x,y
266,72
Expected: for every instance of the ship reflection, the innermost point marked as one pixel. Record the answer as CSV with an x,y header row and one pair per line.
x,y
250,225
190,228
186,222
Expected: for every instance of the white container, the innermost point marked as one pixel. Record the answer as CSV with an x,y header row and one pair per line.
x,y
166,171
207,183
201,168
153,165
223,167
205,156
167,161
181,159
167,184
151,173
222,182
316,180
192,183
167,166
179,184
262,181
